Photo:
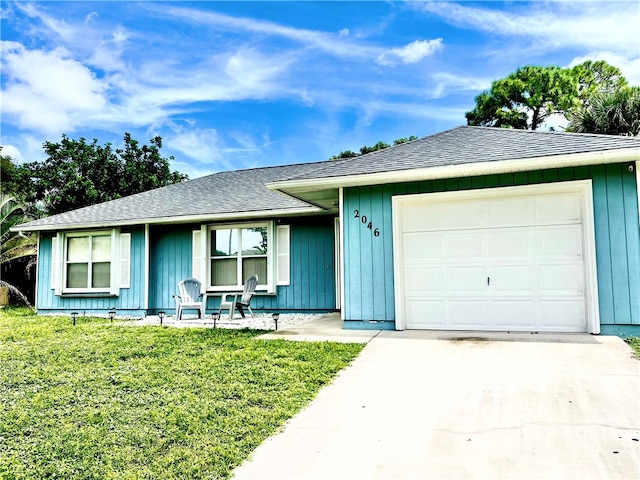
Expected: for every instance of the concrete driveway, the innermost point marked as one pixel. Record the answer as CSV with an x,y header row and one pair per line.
x,y
421,405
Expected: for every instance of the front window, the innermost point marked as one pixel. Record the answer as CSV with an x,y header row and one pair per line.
x,y
238,253
88,262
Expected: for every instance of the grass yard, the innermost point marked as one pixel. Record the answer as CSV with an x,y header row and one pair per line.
x,y
634,342
98,401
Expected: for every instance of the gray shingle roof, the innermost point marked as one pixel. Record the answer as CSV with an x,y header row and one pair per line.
x,y
244,191
463,145
237,192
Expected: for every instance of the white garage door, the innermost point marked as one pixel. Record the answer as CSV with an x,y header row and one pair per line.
x,y
511,262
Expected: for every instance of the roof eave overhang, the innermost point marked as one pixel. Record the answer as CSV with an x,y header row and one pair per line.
x,y
298,187
219,217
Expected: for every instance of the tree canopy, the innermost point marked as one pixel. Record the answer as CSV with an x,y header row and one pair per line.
x,y
596,78
78,174
366,149
526,98
612,113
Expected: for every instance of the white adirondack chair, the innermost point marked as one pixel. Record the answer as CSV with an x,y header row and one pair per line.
x,y
189,298
231,301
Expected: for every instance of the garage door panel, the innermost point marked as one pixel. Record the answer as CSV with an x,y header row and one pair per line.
x,y
558,208
561,279
444,216
463,214
512,279
510,211
467,313
463,246
510,242
559,241
423,247
516,314
424,280
466,279
425,313
562,315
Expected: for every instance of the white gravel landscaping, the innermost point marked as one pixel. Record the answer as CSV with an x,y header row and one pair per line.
x,y
261,321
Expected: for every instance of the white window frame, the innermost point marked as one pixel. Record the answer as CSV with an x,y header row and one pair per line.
x,y
120,261
271,248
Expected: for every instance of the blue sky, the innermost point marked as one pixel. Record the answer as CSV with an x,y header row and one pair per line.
x,y
232,85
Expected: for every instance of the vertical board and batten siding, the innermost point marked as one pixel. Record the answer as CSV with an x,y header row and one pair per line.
x,y
312,268
170,255
129,300
368,282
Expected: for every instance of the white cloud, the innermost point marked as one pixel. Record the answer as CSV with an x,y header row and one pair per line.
x,y
107,54
13,152
25,148
447,82
334,44
48,91
596,24
252,71
411,53
200,145
59,27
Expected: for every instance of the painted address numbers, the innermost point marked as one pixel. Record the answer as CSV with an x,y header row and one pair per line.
x,y
366,223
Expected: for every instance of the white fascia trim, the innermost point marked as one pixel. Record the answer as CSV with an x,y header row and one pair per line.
x,y
462,170
638,186
38,257
147,266
342,256
178,220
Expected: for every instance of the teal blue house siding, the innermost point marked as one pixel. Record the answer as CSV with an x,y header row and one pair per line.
x,y
130,301
312,270
368,279
312,264
170,252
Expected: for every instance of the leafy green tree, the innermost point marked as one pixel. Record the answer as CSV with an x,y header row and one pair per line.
x,y
611,113
77,173
398,141
15,245
378,146
345,154
366,149
8,174
596,78
525,99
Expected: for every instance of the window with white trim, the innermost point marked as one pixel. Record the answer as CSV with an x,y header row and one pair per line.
x,y
238,252
90,262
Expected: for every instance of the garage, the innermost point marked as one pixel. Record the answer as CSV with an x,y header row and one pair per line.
x,y
502,259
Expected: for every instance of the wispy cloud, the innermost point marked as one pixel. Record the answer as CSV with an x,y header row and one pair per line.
x,y
338,44
448,82
598,25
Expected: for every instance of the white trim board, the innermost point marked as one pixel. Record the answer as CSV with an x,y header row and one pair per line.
x,y
584,187
458,171
638,186
226,217
341,219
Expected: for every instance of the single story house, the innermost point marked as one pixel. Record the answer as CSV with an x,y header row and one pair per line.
x,y
473,228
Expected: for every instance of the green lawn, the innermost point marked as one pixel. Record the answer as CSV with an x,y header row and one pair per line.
x,y
101,401
634,342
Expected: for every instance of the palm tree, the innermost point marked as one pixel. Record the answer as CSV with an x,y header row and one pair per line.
x,y
15,245
616,113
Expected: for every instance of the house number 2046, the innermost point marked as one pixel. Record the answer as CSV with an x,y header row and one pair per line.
x,y
366,223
